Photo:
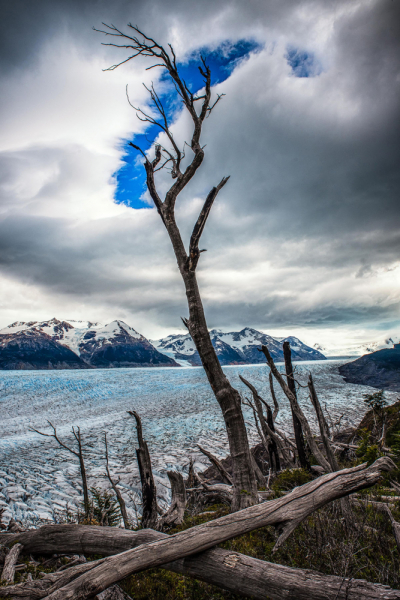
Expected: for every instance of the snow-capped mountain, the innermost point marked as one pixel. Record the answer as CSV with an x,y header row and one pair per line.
x,y
383,342
90,344
238,347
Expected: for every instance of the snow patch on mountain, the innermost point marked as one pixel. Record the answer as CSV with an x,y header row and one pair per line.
x,y
236,347
72,333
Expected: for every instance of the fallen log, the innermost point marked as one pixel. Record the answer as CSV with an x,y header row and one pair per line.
x,y
229,570
10,562
285,513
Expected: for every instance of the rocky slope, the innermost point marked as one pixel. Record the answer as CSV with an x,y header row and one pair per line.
x,y
238,347
76,344
380,370
32,350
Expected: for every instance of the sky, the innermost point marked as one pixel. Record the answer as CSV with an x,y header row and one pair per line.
x,y
303,240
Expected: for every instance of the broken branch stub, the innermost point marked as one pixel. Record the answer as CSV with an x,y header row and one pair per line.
x,y
149,491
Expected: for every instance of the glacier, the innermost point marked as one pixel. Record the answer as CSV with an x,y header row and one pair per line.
x,y
39,481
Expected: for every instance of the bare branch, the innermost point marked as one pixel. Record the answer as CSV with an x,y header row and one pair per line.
x,y
114,484
194,252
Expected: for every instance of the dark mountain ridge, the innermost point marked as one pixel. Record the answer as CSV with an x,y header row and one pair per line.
x,y
58,344
380,369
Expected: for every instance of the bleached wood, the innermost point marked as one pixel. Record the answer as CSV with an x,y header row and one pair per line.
x,y
286,512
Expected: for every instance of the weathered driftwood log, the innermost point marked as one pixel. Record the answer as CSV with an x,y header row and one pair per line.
x,y
176,511
113,593
10,562
285,513
149,491
236,573
226,478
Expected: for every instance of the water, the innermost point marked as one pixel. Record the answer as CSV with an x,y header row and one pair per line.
x,y
38,479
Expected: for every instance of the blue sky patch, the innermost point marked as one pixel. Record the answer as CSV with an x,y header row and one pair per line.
x,y
131,177
302,62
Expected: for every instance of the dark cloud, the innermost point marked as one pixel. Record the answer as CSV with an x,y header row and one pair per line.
x,y
307,231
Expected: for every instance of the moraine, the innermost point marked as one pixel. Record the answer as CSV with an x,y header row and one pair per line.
x,y
38,481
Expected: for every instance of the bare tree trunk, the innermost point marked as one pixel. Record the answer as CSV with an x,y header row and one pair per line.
x,y
286,512
273,396
149,491
298,432
244,480
267,425
82,469
175,513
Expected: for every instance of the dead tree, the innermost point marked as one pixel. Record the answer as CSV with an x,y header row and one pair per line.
x,y
176,511
298,431
79,454
245,485
121,501
149,492
318,455
267,425
323,426
285,513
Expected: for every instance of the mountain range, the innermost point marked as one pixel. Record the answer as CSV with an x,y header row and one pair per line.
x,y
70,344
236,347
58,344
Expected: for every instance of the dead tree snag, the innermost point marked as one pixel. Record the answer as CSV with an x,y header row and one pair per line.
x,y
244,480
149,492
298,432
79,454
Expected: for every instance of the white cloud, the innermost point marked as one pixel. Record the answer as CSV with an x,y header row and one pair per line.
x,y
301,239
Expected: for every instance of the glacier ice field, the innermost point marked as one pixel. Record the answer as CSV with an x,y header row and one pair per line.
x,y
39,482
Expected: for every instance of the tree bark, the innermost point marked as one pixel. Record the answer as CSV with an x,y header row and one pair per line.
x,y
297,410
236,573
149,491
286,513
298,432
10,562
175,513
267,425
244,479
225,476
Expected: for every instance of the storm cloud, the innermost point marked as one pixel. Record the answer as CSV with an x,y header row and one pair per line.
x,y
304,238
